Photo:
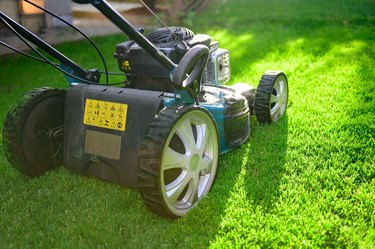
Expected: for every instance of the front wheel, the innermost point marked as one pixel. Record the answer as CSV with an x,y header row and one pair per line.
x,y
271,98
178,160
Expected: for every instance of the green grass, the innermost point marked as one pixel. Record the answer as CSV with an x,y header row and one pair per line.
x,y
305,182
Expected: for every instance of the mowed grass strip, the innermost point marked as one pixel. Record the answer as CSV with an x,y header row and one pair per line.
x,y
304,182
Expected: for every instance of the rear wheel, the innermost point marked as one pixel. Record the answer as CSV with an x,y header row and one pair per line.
x,y
178,160
33,131
271,97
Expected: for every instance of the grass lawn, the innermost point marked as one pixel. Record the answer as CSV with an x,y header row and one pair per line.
x,y
305,182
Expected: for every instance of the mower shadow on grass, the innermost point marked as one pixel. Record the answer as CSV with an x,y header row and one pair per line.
x,y
266,164
248,179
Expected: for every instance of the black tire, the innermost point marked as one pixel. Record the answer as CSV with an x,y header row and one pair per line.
x,y
33,131
271,97
177,169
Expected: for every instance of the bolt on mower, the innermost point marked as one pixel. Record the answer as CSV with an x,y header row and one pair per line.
x,y
160,131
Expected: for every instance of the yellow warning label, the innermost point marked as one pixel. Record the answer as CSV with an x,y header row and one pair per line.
x,y
105,114
126,65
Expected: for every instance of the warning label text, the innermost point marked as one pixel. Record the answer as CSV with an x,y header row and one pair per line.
x,y
105,114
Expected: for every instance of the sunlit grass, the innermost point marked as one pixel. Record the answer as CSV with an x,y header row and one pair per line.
x,y
305,182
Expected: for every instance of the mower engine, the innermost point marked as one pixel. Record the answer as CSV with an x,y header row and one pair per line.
x,y
173,42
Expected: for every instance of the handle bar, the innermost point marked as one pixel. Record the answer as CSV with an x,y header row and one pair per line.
x,y
116,18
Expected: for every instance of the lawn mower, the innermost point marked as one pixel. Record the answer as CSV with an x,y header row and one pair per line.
x,y
160,131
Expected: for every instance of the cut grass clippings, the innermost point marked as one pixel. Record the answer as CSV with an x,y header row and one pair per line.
x,y
304,182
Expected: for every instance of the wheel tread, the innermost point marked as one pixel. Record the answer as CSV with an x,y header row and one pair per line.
x,y
13,124
151,150
263,96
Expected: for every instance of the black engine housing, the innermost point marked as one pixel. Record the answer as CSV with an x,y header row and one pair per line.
x,y
143,71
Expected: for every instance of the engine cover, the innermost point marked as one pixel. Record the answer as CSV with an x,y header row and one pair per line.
x,y
144,72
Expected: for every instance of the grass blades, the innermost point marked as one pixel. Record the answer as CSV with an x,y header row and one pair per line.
x,y
304,182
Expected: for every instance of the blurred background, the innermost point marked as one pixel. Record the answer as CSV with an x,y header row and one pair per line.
x,y
88,19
